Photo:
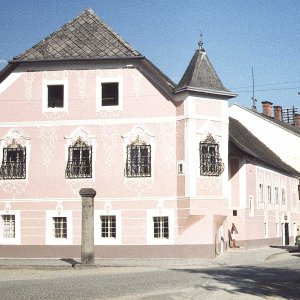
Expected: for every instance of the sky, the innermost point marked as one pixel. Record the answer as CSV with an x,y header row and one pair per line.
x,y
238,35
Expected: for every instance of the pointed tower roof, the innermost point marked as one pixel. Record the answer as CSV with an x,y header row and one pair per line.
x,y
201,76
84,37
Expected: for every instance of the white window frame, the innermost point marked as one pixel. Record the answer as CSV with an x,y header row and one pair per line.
x,y
150,226
50,239
17,239
45,107
98,239
99,81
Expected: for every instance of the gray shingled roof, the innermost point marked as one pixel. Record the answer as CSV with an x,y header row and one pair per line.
x,y
86,36
246,142
200,74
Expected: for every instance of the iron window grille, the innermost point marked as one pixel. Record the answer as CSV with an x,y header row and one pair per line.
x,y
79,161
60,227
210,161
161,227
13,163
108,226
138,162
8,226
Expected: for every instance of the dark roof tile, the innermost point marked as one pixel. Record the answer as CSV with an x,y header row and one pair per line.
x,y
246,142
86,36
200,74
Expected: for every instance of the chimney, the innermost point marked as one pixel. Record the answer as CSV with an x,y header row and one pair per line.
x,y
267,108
297,120
278,113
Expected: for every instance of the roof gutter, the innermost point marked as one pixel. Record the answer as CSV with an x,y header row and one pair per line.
x,y
14,61
206,91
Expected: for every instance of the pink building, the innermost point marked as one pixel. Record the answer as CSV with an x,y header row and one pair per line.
x,y
82,108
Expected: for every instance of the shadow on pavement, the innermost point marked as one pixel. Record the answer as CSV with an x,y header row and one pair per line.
x,y
290,249
256,281
70,261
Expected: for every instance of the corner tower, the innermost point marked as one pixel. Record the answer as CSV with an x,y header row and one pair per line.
x,y
204,130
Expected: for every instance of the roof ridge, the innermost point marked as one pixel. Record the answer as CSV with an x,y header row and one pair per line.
x,y
85,36
126,44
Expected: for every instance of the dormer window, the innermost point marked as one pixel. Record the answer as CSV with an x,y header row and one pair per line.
x,y
210,162
138,163
55,96
79,161
14,162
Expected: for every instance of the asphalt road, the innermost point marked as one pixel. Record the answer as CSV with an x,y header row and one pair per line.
x,y
276,279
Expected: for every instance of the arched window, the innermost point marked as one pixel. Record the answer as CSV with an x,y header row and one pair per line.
x,y
138,163
210,162
79,160
13,162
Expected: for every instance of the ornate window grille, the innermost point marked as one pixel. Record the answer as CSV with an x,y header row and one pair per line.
x,y
8,226
60,227
108,226
161,227
138,162
210,161
79,161
14,162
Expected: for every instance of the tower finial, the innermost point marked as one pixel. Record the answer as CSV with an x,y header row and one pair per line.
x,y
200,43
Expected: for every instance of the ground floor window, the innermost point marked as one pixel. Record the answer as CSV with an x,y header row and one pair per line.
x,y
108,226
8,226
161,227
60,227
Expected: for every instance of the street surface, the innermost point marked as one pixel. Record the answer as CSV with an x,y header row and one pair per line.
x,y
276,278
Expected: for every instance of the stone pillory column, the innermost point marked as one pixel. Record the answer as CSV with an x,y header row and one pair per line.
x,y
87,230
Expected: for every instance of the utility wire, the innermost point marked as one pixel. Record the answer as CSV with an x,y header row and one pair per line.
x,y
250,86
265,90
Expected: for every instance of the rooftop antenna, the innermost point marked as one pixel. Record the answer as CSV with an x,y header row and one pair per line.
x,y
253,94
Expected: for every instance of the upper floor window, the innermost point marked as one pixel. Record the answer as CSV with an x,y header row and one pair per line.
x,y
276,195
79,161
13,162
55,96
138,163
110,93
261,193
269,194
210,162
283,196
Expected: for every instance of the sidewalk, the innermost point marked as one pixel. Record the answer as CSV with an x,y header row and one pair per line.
x,y
229,258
